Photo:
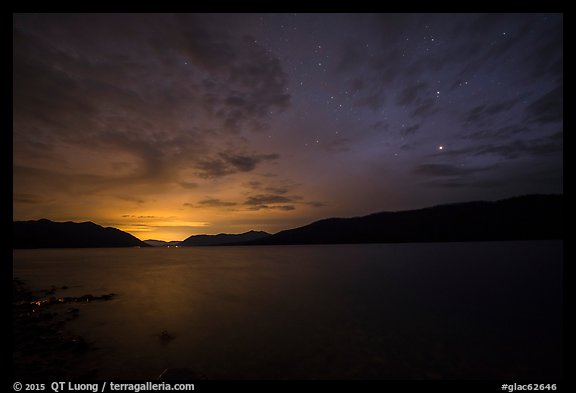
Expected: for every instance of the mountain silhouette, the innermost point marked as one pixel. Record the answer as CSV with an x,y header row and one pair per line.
x,y
49,234
521,218
161,243
221,239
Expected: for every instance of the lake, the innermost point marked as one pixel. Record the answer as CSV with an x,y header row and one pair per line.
x,y
486,310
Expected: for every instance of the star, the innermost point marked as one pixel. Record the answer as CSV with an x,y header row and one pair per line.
x,y
440,147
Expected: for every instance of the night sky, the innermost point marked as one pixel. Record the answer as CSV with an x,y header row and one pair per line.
x,y
168,125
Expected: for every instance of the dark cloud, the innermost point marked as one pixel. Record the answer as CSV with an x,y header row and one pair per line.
x,y
350,58
425,108
465,177
538,147
272,202
545,57
412,94
338,144
548,108
188,185
29,198
229,163
215,202
254,185
129,198
410,130
475,115
444,170
267,200
245,163
502,106
373,101
500,132
275,196
380,126
277,190
274,207
463,183
250,93
485,114
408,146
270,189
447,183
163,88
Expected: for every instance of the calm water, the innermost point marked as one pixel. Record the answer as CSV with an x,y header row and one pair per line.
x,y
446,310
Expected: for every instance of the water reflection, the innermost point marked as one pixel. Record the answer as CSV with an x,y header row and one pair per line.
x,y
358,311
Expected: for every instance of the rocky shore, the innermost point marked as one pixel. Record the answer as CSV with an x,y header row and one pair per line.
x,y
43,347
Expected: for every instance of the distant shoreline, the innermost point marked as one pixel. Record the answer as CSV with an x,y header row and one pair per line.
x,y
294,245
529,217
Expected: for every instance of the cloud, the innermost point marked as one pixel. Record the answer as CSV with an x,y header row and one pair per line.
x,y
259,201
254,185
272,202
274,207
276,189
245,163
150,105
501,132
425,108
545,58
161,89
551,145
462,177
373,101
410,130
462,183
411,94
129,198
229,163
548,108
486,113
380,126
350,58
29,198
215,202
267,199
274,196
188,185
337,144
444,170
447,183
419,99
